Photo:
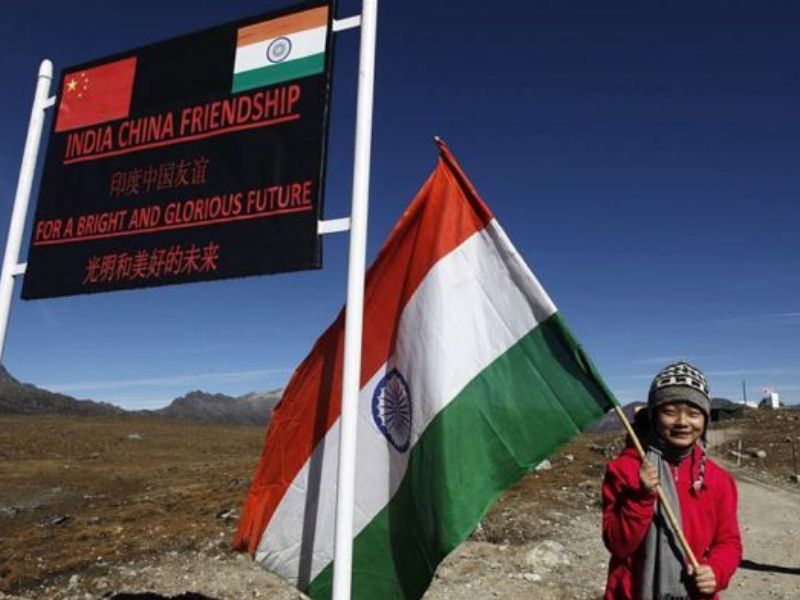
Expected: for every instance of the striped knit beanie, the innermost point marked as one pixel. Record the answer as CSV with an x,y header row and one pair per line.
x,y
682,382
679,382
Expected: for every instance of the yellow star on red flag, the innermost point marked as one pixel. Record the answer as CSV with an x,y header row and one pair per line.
x,y
96,95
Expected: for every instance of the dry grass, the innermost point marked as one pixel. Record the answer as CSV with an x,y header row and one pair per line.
x,y
120,487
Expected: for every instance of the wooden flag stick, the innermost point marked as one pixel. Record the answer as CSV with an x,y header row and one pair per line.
x,y
661,498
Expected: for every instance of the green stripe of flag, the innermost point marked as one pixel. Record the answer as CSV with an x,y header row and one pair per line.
x,y
514,414
272,74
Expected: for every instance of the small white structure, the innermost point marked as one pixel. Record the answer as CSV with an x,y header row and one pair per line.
x,y
771,399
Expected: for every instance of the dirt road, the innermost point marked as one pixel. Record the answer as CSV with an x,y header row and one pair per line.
x,y
770,521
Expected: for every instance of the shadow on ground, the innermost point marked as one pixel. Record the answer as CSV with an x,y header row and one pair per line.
x,y
754,566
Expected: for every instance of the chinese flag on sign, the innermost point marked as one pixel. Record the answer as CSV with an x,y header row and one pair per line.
x,y
96,95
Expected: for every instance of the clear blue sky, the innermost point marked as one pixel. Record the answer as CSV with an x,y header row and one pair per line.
x,y
644,158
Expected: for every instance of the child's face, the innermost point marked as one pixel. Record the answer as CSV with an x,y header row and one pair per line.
x,y
679,424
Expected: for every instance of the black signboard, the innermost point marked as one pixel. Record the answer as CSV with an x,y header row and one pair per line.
x,y
193,159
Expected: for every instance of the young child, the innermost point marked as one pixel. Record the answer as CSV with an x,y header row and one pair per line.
x,y
647,561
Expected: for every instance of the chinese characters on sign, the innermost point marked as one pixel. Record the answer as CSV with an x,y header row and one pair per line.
x,y
158,177
197,158
152,264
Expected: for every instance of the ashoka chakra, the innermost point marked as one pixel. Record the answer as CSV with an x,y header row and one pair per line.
x,y
279,49
391,410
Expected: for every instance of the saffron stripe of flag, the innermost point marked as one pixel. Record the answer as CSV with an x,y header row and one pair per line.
x,y
301,21
469,379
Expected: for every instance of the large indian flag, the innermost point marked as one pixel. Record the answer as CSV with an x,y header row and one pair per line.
x,y
469,379
281,49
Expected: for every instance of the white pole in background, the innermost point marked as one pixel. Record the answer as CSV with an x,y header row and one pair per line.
x,y
41,101
345,493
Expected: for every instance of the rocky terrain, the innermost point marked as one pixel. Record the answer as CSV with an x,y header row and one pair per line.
x,y
136,507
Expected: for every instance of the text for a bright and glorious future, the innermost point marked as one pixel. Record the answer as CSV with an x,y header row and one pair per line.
x,y
246,111
196,212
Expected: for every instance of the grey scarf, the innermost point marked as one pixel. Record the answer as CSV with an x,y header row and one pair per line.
x,y
663,572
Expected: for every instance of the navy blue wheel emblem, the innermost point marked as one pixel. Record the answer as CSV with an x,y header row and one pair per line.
x,y
279,49
391,409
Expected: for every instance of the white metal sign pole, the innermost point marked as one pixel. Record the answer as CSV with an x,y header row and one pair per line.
x,y
11,268
343,549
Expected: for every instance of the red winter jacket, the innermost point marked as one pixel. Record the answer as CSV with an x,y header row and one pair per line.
x,y
709,521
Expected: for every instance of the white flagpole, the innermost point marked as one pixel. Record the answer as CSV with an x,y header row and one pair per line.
x,y
345,494
41,101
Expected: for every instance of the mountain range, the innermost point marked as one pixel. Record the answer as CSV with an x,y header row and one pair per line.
x,y
18,398
255,408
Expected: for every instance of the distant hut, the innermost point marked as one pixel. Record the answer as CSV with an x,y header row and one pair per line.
x,y
771,399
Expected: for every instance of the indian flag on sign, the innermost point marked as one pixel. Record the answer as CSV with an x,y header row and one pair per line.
x,y
281,49
470,378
